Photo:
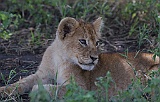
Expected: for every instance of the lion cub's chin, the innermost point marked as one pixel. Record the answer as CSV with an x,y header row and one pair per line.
x,y
87,67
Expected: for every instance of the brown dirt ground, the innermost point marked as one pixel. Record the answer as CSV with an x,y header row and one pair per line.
x,y
19,55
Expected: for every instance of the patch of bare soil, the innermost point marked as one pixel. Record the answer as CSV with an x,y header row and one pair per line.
x,y
18,58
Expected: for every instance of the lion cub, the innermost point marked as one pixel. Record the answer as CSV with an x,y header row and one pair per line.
x,y
74,52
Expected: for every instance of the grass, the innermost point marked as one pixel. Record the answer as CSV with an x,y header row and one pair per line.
x,y
138,91
139,20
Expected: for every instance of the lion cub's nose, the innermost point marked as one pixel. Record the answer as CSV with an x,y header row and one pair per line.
x,y
93,58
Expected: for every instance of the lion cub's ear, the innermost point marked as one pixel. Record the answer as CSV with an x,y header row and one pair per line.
x,y
98,24
66,27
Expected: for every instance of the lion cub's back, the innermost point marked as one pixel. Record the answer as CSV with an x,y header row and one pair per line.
x,y
122,68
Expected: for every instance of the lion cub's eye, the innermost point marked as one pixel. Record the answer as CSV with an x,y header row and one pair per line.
x,y
83,42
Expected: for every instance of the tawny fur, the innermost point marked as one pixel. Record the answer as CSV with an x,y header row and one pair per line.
x,y
68,56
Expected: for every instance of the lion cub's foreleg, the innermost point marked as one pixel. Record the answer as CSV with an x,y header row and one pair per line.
x,y
23,85
19,87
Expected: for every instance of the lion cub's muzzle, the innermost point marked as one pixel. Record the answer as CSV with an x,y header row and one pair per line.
x,y
88,63
94,58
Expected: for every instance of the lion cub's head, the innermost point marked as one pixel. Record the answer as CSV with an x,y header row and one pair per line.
x,y
79,41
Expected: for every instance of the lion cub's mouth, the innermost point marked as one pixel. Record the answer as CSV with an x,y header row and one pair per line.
x,y
87,66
